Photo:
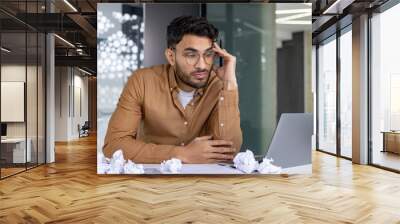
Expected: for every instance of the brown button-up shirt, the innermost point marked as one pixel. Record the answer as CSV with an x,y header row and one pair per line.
x,y
149,121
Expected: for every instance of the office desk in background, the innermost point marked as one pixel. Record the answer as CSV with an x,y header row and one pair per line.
x,y
13,150
391,141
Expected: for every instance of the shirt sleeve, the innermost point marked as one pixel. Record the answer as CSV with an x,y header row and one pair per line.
x,y
224,121
123,128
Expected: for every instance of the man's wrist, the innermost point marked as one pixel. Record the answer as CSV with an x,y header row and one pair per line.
x,y
179,153
230,84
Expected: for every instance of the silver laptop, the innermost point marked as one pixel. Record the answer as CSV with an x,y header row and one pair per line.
x,y
291,143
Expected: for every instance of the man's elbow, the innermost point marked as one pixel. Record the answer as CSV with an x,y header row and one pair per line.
x,y
107,151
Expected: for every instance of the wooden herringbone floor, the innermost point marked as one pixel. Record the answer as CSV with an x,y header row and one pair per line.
x,y
69,191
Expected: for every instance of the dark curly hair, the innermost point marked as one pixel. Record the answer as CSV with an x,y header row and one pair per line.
x,y
182,25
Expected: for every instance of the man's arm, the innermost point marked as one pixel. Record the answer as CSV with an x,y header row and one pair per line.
x,y
224,121
123,125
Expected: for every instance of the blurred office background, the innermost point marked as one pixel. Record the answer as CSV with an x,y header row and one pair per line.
x,y
272,43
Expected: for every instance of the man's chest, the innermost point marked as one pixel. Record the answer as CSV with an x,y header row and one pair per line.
x,y
164,111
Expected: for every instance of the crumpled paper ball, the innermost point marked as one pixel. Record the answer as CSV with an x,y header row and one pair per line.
x,y
266,167
173,165
117,164
245,161
103,163
101,159
132,168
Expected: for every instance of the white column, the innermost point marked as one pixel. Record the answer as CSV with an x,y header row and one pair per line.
x,y
360,90
50,100
50,92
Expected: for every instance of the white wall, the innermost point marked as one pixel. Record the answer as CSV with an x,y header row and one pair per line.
x,y
71,93
16,73
80,100
61,103
33,126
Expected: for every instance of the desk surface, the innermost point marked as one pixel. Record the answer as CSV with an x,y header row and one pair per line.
x,y
13,140
221,169
390,132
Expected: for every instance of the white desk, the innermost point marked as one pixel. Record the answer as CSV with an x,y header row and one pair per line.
x,y
221,169
18,149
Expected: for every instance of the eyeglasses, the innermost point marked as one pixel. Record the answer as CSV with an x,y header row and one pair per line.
x,y
192,58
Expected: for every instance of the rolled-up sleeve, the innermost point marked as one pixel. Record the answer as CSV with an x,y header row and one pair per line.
x,y
123,127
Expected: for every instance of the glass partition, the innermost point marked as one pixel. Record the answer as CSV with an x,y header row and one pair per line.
x,y
22,88
31,97
327,95
13,105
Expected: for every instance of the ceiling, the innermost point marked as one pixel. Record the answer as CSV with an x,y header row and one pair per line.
x,y
291,18
73,21
331,15
76,20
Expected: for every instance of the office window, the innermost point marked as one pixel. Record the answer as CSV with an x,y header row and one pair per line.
x,y
346,93
327,95
385,87
314,93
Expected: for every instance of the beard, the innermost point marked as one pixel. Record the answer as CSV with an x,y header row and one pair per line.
x,y
187,78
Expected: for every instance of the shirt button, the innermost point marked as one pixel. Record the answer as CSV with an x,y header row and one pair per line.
x,y
185,123
221,98
222,124
182,144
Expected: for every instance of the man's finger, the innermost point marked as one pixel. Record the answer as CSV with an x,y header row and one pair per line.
x,y
215,68
220,156
221,52
220,142
222,150
216,45
207,137
219,161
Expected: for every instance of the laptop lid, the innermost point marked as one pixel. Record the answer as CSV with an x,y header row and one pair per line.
x,y
291,143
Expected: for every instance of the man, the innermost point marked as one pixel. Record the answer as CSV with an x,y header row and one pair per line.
x,y
186,109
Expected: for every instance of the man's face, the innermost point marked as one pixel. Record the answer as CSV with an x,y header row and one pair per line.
x,y
193,60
